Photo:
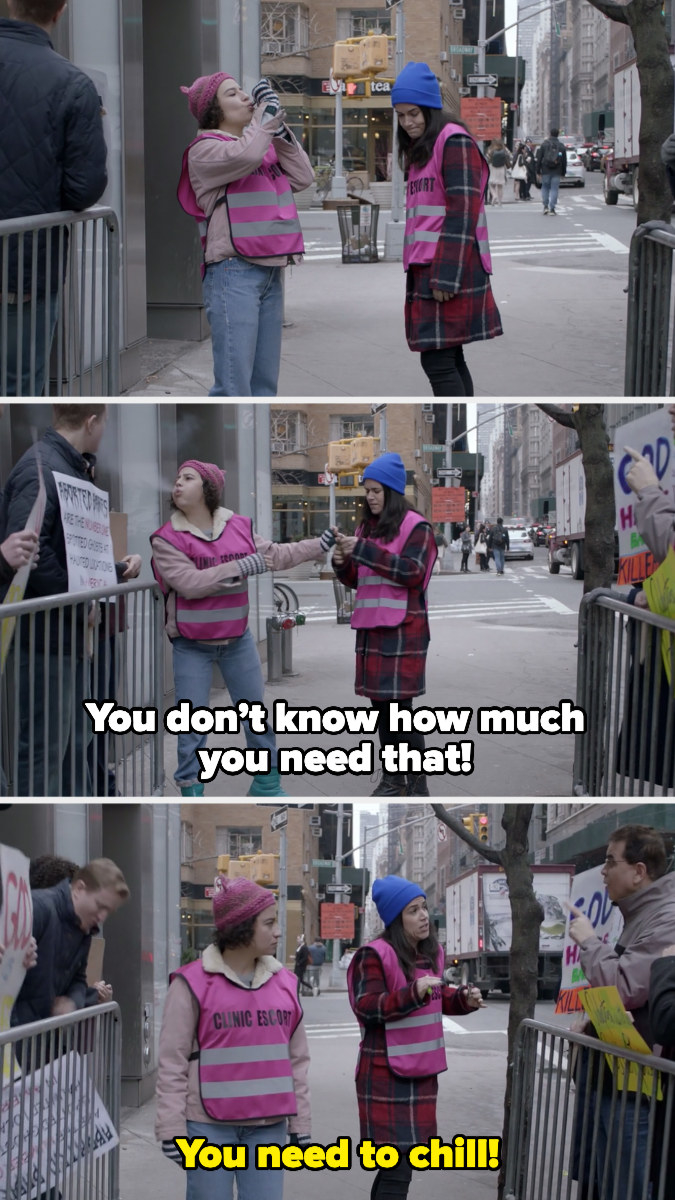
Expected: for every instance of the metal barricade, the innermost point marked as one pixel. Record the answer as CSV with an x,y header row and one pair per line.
x,y
60,1107
650,364
588,1120
628,748
60,304
98,645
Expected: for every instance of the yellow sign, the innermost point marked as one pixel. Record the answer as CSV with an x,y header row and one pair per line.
x,y
659,589
613,1024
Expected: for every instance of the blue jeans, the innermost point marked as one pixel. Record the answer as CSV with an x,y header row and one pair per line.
x,y
499,559
615,1143
45,323
251,1184
239,665
549,189
244,305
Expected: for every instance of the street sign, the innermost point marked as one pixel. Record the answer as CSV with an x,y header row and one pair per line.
x,y
482,80
462,49
279,819
344,889
323,862
449,472
433,449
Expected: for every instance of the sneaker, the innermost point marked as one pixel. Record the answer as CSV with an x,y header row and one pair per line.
x,y
545,212
553,212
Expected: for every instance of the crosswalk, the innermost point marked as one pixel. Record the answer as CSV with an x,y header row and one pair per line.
x,y
497,606
350,1029
585,241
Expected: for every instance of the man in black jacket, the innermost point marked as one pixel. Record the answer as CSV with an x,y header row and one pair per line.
x,y
45,711
52,158
551,165
64,919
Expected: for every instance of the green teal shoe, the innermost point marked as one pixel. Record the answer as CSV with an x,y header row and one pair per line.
x,y
195,789
267,785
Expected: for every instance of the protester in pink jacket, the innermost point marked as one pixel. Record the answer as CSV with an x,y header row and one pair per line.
x,y
233,1055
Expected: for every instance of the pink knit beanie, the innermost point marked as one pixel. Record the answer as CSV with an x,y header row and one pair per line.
x,y
237,900
207,471
201,93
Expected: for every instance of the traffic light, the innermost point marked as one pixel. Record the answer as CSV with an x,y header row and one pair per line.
x,y
483,834
223,864
469,823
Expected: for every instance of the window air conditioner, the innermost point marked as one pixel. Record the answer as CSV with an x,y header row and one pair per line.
x,y
428,417
460,14
443,56
453,74
278,447
427,408
418,454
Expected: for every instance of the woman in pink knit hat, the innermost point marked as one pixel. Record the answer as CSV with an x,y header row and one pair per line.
x,y
202,558
237,180
233,1054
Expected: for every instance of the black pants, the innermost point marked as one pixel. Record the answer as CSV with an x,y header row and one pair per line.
x,y
447,371
392,1183
389,737
465,560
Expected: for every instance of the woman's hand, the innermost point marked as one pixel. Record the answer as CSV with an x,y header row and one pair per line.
x,y
472,997
441,297
425,984
345,544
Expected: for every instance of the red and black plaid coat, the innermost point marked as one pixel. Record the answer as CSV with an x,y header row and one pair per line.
x,y
391,660
392,1110
456,266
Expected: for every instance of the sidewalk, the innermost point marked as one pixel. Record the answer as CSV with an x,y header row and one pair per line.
x,y
345,336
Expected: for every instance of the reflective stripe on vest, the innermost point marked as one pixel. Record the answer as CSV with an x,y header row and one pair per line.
x,y
425,215
415,1045
245,1069
211,618
264,221
378,601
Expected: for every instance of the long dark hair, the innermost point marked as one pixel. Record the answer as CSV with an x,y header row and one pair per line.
x,y
387,524
416,152
408,953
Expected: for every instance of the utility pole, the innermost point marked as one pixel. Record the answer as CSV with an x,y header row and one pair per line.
x,y
283,894
394,231
335,978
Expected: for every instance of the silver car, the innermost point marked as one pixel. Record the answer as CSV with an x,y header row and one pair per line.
x,y
520,544
575,176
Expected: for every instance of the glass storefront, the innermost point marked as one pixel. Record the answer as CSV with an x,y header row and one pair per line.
x,y
366,138
305,516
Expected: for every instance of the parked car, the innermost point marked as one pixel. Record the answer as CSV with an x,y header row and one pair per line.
x,y
520,543
538,535
595,157
575,175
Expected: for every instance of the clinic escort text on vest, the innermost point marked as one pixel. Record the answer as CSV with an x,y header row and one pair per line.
x,y
212,618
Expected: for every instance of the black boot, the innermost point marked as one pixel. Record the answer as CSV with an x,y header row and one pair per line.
x,y
417,785
390,785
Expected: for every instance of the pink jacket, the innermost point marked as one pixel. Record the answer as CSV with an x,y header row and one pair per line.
x,y
183,578
178,1098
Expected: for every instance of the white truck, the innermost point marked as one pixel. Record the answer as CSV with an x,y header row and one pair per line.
x,y
478,927
621,167
566,545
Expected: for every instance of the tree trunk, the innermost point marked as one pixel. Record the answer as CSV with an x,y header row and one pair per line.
x,y
647,25
526,918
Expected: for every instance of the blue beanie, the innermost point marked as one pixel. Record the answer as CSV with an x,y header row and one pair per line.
x,y
388,469
392,894
417,84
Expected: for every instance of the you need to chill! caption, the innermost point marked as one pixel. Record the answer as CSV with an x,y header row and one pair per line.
x,y
461,1154
454,758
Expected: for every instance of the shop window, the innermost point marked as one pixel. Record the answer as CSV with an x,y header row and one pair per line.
x,y
237,841
284,29
288,432
359,22
346,425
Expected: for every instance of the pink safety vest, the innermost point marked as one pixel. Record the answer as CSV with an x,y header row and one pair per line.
x,y
426,208
415,1044
261,210
245,1069
379,601
211,618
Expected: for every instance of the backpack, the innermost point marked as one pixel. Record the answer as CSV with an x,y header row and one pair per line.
x,y
499,158
550,159
498,539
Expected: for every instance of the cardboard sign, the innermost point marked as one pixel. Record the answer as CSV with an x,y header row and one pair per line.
x,y
652,436
660,592
85,516
590,895
16,927
613,1024
48,1121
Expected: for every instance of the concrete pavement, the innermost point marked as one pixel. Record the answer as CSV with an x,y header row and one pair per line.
x,y
344,333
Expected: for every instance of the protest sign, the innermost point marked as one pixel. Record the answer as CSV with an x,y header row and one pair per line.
x,y
50,1121
613,1025
660,592
16,927
651,436
85,516
17,587
590,895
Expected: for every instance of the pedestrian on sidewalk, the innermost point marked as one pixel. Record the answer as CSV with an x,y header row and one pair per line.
x,y
237,179
499,158
233,1054
389,561
202,558
398,996
498,543
551,161
317,957
482,549
467,545
446,256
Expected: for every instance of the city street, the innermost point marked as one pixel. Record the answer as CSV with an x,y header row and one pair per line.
x,y
470,1102
559,283
495,641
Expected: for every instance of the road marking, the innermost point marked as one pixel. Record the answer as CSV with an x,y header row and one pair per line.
x,y
611,243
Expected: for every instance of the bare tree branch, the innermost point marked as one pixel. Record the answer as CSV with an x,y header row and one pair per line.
x,y
561,415
615,12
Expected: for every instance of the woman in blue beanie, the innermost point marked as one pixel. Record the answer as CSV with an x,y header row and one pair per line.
x,y
446,254
399,998
389,562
